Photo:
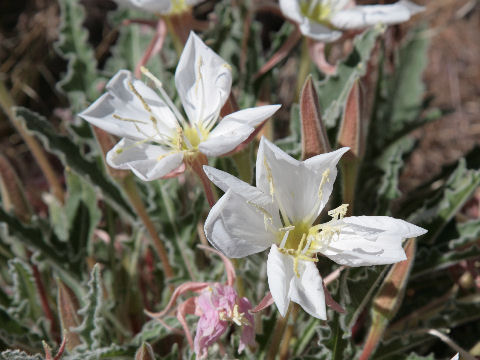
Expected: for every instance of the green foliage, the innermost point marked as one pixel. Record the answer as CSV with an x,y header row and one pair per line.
x,y
441,206
92,326
18,355
72,157
81,78
334,89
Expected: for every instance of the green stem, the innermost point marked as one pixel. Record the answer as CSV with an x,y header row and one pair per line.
x,y
177,242
303,69
349,168
137,203
278,334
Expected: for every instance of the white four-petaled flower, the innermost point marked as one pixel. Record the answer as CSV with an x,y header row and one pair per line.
x,y
157,140
280,213
324,20
162,7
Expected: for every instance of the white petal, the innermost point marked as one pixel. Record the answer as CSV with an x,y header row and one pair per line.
x,y
250,194
203,81
371,240
234,129
291,9
158,6
307,291
236,228
363,16
296,184
318,31
226,182
326,162
251,117
221,144
148,162
280,274
121,102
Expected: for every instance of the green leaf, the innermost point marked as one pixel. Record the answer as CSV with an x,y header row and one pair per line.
x,y
31,235
91,329
401,101
435,259
18,355
468,233
72,157
334,345
25,291
390,163
14,333
439,209
334,89
80,80
357,286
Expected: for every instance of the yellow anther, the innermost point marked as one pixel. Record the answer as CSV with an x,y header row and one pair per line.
x,y
325,179
339,212
269,176
267,217
137,94
115,116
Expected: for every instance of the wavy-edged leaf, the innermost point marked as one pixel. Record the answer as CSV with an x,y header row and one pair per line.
x,y
357,286
25,300
18,355
80,79
334,90
14,333
32,236
439,209
91,329
401,103
390,163
72,157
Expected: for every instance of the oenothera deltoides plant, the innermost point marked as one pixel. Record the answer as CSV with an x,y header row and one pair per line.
x,y
280,213
324,20
218,306
157,141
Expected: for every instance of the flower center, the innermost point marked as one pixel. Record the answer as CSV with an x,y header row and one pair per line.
x,y
316,10
234,315
303,241
191,136
178,7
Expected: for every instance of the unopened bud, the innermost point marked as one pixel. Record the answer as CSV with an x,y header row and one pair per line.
x,y
314,135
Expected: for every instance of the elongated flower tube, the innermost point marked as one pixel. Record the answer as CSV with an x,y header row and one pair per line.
x,y
162,7
157,141
280,213
324,20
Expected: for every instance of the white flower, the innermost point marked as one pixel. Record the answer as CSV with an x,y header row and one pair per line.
x,y
163,7
156,138
323,20
280,213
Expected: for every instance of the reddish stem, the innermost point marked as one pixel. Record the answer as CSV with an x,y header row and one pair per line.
x,y
197,167
61,349
44,301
